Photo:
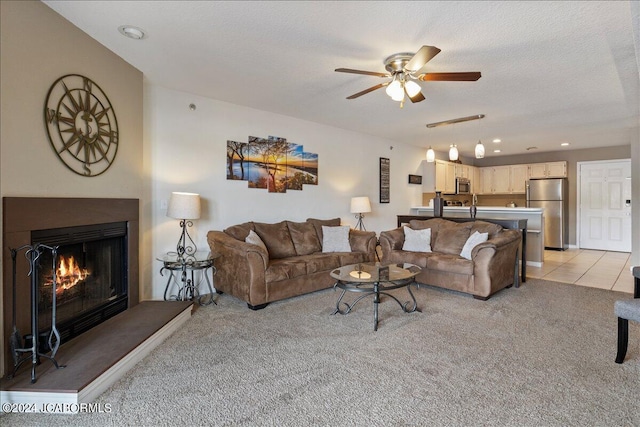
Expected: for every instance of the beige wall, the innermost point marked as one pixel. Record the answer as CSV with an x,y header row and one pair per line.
x,y
37,46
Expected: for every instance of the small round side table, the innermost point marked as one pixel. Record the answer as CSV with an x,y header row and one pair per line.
x,y
185,283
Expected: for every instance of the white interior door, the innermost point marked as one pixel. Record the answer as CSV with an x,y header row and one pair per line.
x,y
605,205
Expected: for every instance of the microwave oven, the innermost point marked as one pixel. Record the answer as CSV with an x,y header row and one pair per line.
x,y
463,186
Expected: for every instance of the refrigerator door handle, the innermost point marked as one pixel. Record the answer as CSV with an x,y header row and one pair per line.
x,y
527,194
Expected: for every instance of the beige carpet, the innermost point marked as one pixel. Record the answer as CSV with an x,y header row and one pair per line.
x,y
540,355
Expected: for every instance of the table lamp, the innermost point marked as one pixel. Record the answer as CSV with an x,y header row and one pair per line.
x,y
359,206
185,207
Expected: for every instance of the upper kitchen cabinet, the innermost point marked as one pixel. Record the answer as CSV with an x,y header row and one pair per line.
x,y
439,176
548,170
519,176
503,179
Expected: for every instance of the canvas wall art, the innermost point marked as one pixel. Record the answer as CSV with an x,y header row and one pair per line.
x,y
271,163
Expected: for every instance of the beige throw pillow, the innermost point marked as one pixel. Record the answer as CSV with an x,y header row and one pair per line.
x,y
254,239
474,240
417,240
335,239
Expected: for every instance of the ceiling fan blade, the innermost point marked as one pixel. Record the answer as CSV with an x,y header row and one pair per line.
x,y
471,76
424,55
366,73
419,97
366,91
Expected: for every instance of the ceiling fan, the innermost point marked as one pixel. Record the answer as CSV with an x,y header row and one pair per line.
x,y
403,68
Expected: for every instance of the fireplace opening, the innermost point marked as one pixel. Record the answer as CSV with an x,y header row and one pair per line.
x,y
91,281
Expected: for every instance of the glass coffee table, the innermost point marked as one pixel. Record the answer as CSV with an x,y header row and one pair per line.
x,y
375,279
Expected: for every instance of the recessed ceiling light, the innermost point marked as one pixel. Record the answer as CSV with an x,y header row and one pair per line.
x,y
132,32
564,144
496,151
497,140
531,148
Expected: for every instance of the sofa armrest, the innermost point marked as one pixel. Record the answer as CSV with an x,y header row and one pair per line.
x,y
391,240
495,262
363,241
240,269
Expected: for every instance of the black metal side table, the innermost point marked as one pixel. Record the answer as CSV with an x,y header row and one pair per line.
x,y
185,280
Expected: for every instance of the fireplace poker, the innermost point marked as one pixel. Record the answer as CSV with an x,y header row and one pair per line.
x,y
54,329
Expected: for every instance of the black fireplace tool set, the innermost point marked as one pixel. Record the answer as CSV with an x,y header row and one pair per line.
x,y
33,348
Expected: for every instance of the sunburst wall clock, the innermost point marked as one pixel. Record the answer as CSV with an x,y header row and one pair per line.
x,y
81,125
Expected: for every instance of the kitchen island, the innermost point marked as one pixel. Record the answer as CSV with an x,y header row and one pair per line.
x,y
534,216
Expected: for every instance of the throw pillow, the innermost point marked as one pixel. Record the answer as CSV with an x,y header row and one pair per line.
x,y
417,240
335,239
474,240
254,239
450,240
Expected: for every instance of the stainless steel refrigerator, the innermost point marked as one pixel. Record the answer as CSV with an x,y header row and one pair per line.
x,y
551,194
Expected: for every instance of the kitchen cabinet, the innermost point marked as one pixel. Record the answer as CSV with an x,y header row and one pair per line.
x,y
476,181
548,170
439,176
504,179
518,178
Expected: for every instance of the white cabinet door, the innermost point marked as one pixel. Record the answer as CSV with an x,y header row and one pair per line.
x,y
486,180
557,170
501,179
476,180
537,170
441,176
450,178
518,178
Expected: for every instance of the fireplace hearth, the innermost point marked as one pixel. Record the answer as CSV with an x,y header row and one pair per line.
x,y
97,268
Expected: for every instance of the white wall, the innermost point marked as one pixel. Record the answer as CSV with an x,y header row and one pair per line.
x,y
187,152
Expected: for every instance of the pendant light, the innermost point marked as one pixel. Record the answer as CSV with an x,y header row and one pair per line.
x,y
431,155
479,150
453,153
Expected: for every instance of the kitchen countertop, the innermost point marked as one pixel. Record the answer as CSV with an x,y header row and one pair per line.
x,y
481,209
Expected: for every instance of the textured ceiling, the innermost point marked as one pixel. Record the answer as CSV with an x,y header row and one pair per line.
x,y
552,72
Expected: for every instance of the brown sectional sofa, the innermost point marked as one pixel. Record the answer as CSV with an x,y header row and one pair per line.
x,y
492,267
292,264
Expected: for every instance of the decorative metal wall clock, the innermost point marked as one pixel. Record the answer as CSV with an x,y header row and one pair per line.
x,y
81,125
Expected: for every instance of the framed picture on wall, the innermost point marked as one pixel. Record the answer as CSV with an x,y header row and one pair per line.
x,y
415,179
385,180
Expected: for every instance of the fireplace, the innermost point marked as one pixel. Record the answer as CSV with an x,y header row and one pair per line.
x,y
97,262
91,282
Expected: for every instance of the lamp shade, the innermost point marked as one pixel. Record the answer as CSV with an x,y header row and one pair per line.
x,y
431,155
453,152
479,150
184,206
360,205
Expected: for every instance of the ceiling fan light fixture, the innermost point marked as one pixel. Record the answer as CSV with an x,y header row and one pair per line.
x,y
395,90
412,88
479,150
453,153
431,155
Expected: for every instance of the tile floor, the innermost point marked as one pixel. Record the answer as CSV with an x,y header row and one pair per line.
x,y
585,267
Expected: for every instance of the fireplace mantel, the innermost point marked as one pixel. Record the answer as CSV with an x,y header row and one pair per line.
x,y
21,215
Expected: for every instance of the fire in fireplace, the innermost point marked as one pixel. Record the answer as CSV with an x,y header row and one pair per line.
x,y
90,276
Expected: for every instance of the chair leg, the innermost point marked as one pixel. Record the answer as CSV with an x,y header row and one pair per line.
x,y
623,339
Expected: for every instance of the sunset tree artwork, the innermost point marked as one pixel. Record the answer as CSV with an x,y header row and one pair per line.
x,y
271,163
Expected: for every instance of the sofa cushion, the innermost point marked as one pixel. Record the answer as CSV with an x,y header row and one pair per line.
x,y
450,263
451,239
304,237
352,258
318,223
277,239
254,239
335,239
417,240
473,240
486,227
240,231
320,262
286,268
